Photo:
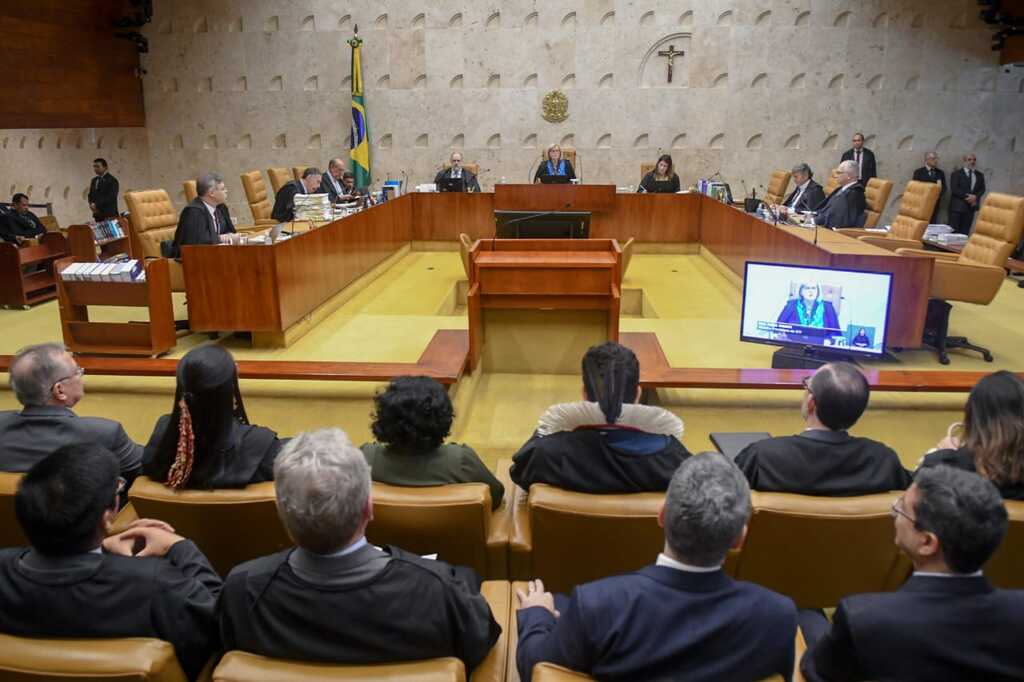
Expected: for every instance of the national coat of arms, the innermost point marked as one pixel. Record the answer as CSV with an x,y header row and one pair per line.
x,y
556,107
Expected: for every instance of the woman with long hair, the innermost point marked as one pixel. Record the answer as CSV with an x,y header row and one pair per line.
x,y
206,441
555,165
662,179
991,438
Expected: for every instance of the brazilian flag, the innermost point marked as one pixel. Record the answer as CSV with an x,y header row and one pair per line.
x,y
360,130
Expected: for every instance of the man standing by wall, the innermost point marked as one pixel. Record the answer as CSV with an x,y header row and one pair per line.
x,y
863,157
103,192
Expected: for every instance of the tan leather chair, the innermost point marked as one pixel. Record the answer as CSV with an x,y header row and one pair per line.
x,y
238,666
549,672
777,186
1006,567
297,171
876,194
228,526
256,194
473,168
10,529
832,183
279,177
645,168
564,538
151,220
911,221
627,255
976,274
817,550
190,190
127,659
465,244
50,223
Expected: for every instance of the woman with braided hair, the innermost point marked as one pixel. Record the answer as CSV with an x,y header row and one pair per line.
x,y
206,441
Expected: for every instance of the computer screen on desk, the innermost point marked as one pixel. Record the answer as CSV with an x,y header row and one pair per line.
x,y
554,179
542,224
452,185
798,305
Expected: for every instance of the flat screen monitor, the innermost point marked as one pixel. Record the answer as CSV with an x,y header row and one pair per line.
x,y
452,185
543,225
818,307
554,179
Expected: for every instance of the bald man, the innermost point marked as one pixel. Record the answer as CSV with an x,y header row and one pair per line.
x,y
337,183
930,172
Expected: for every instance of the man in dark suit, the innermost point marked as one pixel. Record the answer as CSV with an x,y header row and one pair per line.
x,y
19,223
825,459
806,195
206,219
456,171
930,172
103,192
46,379
947,623
681,619
336,598
284,202
863,157
966,187
337,183
76,582
846,205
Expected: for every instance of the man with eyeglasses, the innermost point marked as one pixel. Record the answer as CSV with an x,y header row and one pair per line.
x,y
48,382
947,622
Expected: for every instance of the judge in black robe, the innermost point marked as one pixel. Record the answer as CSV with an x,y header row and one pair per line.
x,y
284,202
650,184
197,225
806,195
930,172
338,184
469,181
846,205
103,192
554,164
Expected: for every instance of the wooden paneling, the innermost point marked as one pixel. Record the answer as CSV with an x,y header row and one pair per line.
x,y
554,197
667,218
443,216
65,69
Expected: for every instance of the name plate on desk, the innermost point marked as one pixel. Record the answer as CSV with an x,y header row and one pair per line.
x,y
596,198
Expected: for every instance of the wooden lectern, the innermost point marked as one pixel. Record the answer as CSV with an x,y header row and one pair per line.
x,y
536,305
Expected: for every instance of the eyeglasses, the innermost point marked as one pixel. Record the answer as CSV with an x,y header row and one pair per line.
x,y
79,371
897,508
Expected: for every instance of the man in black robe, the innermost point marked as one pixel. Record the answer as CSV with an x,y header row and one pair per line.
x,y
284,202
73,582
455,172
930,172
19,223
103,192
337,183
846,205
206,219
806,194
336,598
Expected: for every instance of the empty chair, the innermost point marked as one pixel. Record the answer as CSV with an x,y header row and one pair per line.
x,y
876,194
777,186
256,195
911,221
128,659
152,220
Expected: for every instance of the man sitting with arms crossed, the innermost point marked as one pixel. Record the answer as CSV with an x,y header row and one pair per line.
x,y
20,224
681,619
947,622
825,459
335,598
74,583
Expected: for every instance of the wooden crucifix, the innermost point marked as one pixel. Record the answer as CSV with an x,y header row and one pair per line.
x,y
671,53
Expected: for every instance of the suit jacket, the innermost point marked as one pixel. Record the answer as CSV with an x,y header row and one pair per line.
x,y
812,197
661,623
103,191
172,598
469,180
827,463
196,226
14,225
960,187
284,202
30,435
933,628
843,208
868,169
327,187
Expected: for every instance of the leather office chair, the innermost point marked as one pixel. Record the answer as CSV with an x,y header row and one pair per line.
x,y
645,168
238,666
817,550
151,220
832,183
465,244
279,177
10,529
911,221
564,537
256,194
876,194
190,190
1006,567
627,255
50,223
975,274
777,186
126,659
473,168
297,171
228,526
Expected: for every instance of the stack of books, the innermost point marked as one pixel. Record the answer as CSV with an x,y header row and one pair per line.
x,y
315,207
123,271
106,230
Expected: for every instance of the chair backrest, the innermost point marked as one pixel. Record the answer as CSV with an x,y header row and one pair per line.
x,y
578,537
645,168
297,171
876,194
1006,567
10,529
568,153
190,190
256,195
817,550
473,168
832,183
465,244
777,186
126,659
151,220
239,666
627,255
50,223
997,230
229,526
915,210
451,520
278,178
549,672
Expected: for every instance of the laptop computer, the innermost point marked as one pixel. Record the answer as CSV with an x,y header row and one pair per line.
x,y
731,444
554,179
452,185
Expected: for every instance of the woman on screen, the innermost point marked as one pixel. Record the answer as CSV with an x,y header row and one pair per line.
x,y
809,310
554,165
662,179
861,340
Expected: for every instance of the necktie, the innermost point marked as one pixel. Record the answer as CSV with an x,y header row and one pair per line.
x,y
859,172
970,175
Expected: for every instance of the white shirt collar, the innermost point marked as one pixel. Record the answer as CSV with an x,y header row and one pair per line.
x,y
804,186
354,547
847,186
211,209
669,562
935,574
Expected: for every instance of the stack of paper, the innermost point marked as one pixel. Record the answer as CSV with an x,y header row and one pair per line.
x,y
934,230
315,207
124,271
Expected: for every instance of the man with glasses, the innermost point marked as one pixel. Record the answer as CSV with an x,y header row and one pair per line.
x,y
48,382
206,219
825,459
946,622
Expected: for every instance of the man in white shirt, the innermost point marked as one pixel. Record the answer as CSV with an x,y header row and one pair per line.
x,y
806,196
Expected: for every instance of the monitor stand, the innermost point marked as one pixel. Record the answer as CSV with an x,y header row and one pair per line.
x,y
808,357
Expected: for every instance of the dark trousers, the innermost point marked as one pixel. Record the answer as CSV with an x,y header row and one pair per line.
x,y
961,222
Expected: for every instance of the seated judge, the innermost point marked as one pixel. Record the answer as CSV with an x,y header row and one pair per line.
x,y
809,309
207,441
682,618
284,202
662,179
825,459
455,172
991,438
47,381
947,623
607,442
337,183
20,224
554,164
806,195
76,582
336,598
846,205
930,172
206,219
411,419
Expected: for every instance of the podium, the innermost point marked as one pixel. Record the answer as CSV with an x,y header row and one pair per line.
x,y
536,305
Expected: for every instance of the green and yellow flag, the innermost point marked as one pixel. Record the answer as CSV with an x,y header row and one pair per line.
x,y
360,142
